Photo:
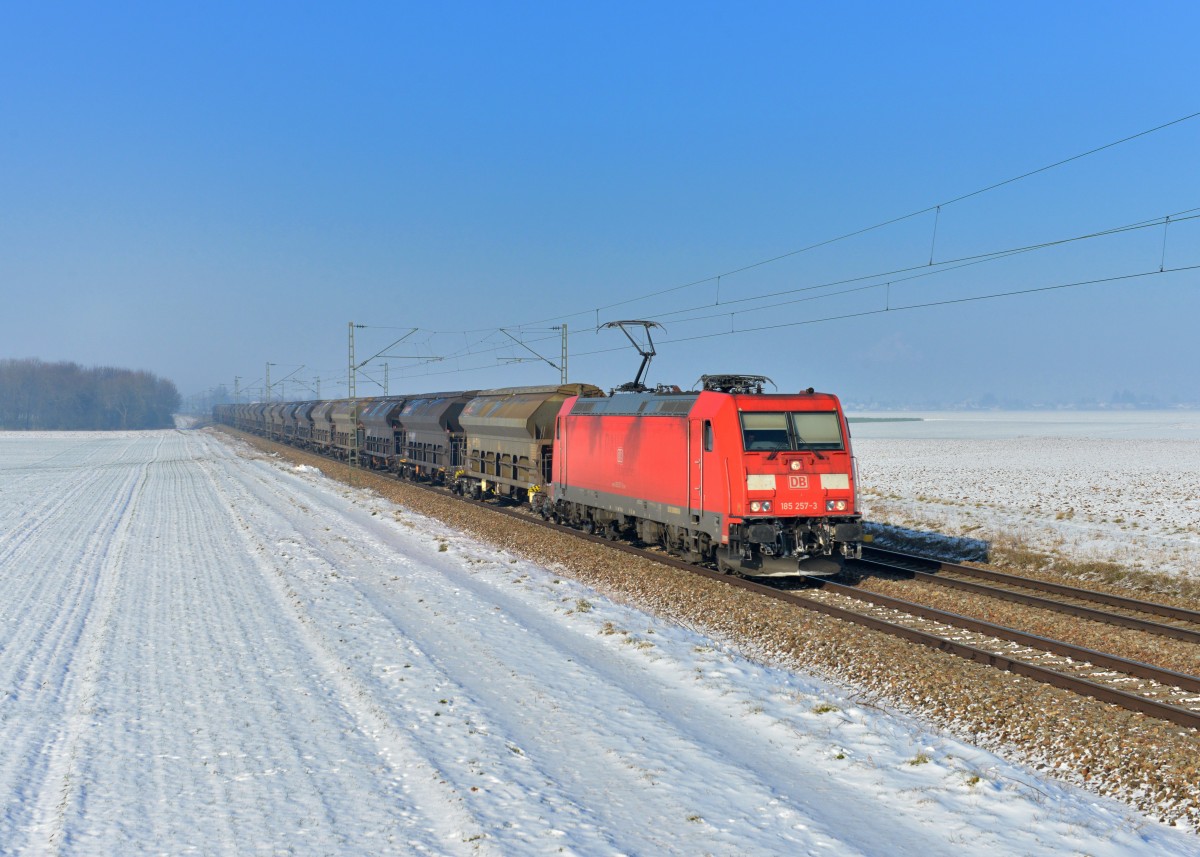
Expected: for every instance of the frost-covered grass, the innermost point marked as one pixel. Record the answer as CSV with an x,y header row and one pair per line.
x,y
1103,500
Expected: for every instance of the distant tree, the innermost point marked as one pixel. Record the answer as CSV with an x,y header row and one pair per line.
x,y
65,396
201,404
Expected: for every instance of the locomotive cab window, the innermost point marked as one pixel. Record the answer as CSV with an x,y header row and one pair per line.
x,y
708,436
765,432
817,430
812,430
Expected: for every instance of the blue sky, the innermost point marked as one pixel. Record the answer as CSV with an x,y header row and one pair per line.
x,y
199,189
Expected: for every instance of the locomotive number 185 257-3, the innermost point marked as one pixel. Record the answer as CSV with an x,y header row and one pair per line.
x,y
798,506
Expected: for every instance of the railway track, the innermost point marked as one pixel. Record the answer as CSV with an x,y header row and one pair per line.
x,y
1135,686
1175,622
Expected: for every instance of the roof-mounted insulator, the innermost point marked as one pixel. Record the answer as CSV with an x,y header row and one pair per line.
x,y
741,384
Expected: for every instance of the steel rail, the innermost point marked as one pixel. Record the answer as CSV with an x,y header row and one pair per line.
x,y
1074,684
1166,610
1033,641
1174,631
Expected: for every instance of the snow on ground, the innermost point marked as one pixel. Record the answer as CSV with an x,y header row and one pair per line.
x,y
204,651
1121,487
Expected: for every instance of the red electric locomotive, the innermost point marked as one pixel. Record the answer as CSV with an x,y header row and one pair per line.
x,y
760,484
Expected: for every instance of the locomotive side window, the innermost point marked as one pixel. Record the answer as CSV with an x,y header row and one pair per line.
x,y
708,436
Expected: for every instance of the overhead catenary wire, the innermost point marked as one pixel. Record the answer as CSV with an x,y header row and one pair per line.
x,y
894,275
936,207
921,271
866,312
1162,261
880,225
472,348
949,301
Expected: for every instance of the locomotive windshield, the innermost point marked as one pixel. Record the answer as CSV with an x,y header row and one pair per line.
x,y
814,430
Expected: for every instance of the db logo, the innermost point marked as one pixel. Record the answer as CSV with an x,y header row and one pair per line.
x,y
797,481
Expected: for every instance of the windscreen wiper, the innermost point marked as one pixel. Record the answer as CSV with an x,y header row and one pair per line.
x,y
804,444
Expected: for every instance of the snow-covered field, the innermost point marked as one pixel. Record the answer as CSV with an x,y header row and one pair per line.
x,y
1121,487
203,650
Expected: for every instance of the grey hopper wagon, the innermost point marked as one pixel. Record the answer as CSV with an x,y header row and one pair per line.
x,y
382,432
510,439
434,442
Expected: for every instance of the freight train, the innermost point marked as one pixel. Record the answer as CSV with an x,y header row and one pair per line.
x,y
753,483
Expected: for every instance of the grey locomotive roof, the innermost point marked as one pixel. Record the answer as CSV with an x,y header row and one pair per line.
x,y
645,404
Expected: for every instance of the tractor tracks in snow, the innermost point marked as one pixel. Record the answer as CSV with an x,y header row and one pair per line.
x,y
57,664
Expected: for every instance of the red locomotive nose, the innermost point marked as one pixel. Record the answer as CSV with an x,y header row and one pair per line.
x,y
729,473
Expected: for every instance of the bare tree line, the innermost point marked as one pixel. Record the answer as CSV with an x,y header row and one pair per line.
x,y
66,396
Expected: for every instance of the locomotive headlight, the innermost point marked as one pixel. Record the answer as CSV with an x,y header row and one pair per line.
x,y
755,506
766,506
835,505
795,464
